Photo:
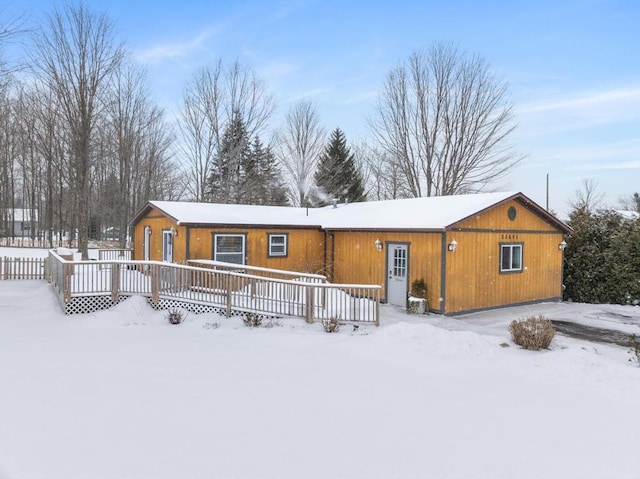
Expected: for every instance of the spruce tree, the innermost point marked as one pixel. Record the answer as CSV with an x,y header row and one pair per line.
x,y
228,171
264,184
337,177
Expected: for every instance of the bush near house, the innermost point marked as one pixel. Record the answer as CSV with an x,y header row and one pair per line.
x,y
534,332
417,300
602,258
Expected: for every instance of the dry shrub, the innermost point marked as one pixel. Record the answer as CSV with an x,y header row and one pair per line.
x,y
175,316
331,325
252,320
534,332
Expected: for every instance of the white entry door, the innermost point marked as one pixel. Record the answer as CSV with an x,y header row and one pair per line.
x,y
397,265
147,243
167,246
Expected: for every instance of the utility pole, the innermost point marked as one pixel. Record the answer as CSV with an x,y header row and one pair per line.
x,y
547,191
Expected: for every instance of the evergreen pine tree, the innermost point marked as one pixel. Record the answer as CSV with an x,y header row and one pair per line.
x,y
274,191
337,177
227,177
263,181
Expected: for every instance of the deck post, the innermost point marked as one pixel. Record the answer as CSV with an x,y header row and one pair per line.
x,y
378,308
46,266
155,283
228,283
310,300
115,282
67,268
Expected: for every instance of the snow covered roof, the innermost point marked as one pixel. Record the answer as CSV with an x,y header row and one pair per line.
x,y
428,213
21,215
216,213
628,214
435,212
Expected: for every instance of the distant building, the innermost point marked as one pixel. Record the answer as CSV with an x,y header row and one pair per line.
x,y
20,223
629,215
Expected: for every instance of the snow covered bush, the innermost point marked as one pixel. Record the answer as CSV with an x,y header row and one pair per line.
x,y
534,332
252,320
272,323
331,325
175,316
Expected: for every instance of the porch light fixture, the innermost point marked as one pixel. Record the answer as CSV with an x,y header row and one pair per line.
x,y
378,244
452,246
174,231
562,245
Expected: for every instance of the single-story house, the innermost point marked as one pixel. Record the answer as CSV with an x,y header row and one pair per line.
x,y
20,223
474,252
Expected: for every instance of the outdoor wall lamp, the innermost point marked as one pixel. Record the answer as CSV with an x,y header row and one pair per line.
x,y
174,231
562,245
378,244
453,245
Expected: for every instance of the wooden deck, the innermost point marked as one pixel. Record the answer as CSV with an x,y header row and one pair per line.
x,y
218,286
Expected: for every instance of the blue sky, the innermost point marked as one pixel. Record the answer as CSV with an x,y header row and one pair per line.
x,y
573,67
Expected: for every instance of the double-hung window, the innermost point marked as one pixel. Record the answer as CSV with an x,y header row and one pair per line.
x,y
278,244
229,248
511,258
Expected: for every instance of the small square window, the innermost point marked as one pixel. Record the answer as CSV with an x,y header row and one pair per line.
x,y
510,258
278,244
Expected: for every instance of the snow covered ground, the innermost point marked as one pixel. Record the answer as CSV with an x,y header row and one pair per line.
x,y
124,394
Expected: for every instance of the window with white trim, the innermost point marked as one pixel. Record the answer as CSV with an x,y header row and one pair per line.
x,y
229,248
278,244
510,258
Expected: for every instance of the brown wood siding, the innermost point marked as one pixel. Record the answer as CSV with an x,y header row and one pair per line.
x,y
473,273
356,259
157,222
305,247
497,218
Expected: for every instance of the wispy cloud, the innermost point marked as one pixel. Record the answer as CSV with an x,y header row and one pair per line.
x,y
361,97
288,8
308,94
586,100
276,70
582,111
159,53
622,155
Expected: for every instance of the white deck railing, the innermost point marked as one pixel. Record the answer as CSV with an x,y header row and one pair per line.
x,y
258,271
226,289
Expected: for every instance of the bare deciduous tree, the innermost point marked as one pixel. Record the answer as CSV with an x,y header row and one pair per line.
x,y
444,118
382,174
298,145
11,29
630,202
75,55
215,94
586,198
